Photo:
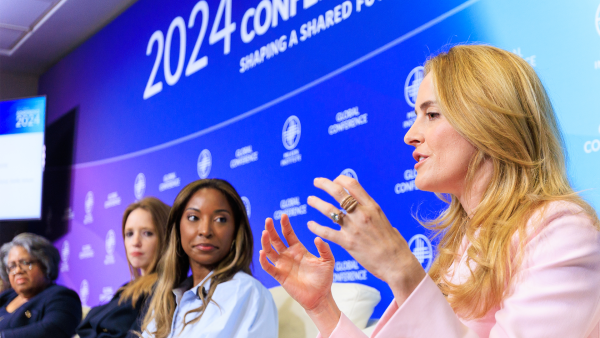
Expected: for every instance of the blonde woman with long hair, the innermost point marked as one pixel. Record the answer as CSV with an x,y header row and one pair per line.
x,y
519,250
144,232
209,233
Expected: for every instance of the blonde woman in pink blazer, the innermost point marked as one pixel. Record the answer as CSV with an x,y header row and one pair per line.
x,y
519,252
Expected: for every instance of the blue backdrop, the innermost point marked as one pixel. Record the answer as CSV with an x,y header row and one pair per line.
x,y
271,94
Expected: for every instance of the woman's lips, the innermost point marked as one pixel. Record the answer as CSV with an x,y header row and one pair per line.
x,y
136,254
206,247
422,159
20,280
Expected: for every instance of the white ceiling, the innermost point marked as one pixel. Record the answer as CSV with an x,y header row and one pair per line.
x,y
35,34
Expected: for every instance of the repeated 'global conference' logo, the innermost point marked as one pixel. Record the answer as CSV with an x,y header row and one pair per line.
x,y
84,292
421,248
109,245
409,182
247,205
89,207
411,86
291,132
106,295
592,146
139,186
290,136
204,163
64,255
350,173
291,207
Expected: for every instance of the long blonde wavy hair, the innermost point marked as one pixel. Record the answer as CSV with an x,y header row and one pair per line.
x,y
495,100
173,267
142,285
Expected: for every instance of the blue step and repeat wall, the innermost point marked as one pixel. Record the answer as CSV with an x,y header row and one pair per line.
x,y
271,94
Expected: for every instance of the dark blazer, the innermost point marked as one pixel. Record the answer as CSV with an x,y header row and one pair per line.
x,y
112,320
54,312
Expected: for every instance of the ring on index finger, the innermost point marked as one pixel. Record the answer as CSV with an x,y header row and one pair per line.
x,y
349,203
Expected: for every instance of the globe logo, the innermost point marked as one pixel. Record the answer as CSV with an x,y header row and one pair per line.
x,y
247,205
598,20
350,173
411,86
109,243
421,248
89,202
204,163
291,132
139,186
65,252
84,292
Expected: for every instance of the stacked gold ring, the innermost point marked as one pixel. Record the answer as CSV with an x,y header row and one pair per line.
x,y
349,204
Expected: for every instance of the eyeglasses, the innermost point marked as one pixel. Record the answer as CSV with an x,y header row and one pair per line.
x,y
23,264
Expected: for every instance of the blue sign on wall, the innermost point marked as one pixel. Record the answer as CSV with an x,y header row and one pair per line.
x,y
22,149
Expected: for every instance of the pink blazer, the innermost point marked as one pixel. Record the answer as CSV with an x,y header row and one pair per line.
x,y
556,293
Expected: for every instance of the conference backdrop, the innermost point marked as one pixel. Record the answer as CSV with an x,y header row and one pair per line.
x,y
271,94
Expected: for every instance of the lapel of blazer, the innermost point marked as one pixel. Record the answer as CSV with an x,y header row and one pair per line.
x,y
29,311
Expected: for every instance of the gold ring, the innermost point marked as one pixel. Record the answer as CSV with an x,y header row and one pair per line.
x,y
345,200
349,203
352,206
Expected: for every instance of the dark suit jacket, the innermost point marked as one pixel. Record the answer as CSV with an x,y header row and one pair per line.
x,y
54,312
112,320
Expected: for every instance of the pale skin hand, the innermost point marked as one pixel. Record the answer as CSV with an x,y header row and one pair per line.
x,y
365,233
305,277
369,237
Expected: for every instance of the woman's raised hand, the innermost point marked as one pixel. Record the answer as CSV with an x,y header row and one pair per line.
x,y
368,236
305,277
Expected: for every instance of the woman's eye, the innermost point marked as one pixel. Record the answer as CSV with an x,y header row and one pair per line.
x,y
432,115
221,219
192,218
148,233
128,234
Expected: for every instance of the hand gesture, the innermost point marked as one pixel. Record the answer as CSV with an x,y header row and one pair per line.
x,y
368,236
305,277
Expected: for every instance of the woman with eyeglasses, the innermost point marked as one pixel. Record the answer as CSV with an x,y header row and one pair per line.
x,y
34,306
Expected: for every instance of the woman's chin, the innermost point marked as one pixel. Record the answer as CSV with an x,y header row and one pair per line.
x,y
422,185
137,265
432,184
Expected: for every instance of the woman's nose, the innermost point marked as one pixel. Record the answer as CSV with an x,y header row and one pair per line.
x,y
137,240
414,136
205,228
